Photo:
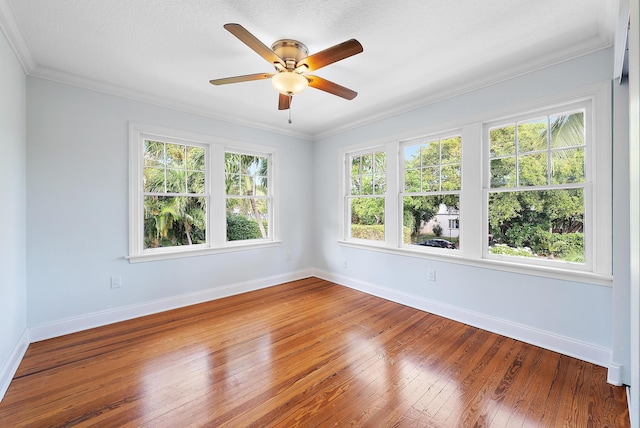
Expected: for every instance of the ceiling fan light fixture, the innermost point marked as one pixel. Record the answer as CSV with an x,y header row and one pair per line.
x,y
289,83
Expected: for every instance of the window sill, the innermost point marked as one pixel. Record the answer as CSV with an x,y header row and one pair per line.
x,y
195,252
505,266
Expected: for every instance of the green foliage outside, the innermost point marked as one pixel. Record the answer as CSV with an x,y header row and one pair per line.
x,y
376,232
173,220
370,232
538,223
240,227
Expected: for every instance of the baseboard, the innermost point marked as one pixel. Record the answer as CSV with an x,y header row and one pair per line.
x,y
614,374
544,339
10,367
98,319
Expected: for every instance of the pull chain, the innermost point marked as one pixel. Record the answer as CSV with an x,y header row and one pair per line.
x,y
290,96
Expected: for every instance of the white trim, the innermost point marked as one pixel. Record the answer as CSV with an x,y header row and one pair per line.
x,y
98,319
548,340
614,374
11,28
634,198
10,366
202,251
501,265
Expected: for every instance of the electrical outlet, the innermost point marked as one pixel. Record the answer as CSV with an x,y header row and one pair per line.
x,y
344,263
289,256
116,281
432,275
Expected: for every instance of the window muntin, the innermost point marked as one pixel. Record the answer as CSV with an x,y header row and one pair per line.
x,y
537,187
174,194
367,182
248,199
432,178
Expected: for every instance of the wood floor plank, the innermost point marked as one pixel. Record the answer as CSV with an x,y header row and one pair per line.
x,y
306,353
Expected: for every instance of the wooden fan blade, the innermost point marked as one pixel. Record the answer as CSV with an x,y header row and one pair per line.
x,y
252,41
284,102
236,79
330,87
331,55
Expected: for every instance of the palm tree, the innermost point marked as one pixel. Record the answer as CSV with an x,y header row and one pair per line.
x,y
244,175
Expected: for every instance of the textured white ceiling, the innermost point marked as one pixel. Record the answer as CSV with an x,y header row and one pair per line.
x,y
415,51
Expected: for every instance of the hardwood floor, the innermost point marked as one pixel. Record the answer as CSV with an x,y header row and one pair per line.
x,y
305,353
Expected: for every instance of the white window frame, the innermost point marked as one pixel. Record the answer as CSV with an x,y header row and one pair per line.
x,y
348,196
401,178
473,197
215,149
590,238
268,197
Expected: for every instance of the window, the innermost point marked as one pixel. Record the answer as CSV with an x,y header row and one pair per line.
x,y
194,194
537,187
366,196
247,196
532,193
431,197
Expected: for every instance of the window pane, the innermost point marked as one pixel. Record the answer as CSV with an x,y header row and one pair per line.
x,y
412,156
195,182
567,166
247,218
431,179
153,153
153,180
261,185
502,141
231,162
232,183
367,218
246,185
176,154
503,172
379,184
381,162
176,181
195,158
533,170
532,135
430,153
412,180
547,224
431,221
567,130
367,164
451,177
451,150
171,221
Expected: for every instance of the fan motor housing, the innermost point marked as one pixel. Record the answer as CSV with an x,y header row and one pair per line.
x,y
290,50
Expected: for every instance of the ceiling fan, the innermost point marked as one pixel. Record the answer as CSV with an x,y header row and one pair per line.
x,y
292,61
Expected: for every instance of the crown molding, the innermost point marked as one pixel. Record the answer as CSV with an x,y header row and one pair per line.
x,y
11,29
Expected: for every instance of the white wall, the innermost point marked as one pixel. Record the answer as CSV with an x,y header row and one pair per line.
x,y
77,210
13,282
571,311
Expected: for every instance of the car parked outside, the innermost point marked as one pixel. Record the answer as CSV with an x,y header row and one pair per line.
x,y
440,243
